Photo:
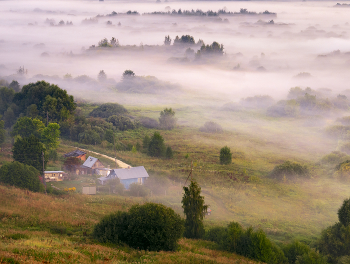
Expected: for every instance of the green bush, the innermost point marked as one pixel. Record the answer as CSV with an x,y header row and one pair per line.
x,y
335,242
17,236
150,226
211,127
289,170
335,157
248,243
21,175
156,147
311,257
169,153
225,155
137,190
121,122
344,213
107,110
295,249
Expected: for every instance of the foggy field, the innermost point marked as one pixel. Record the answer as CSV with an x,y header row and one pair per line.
x,y
269,80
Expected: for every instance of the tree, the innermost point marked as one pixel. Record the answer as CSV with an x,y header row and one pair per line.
x,y
121,122
50,136
2,131
21,175
128,74
167,40
15,86
225,155
145,143
151,226
107,110
9,117
167,119
344,213
48,98
26,126
169,153
102,77
156,146
29,151
194,209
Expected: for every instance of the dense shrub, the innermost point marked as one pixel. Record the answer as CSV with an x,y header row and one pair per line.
x,y
225,155
337,131
150,226
335,242
311,257
289,170
121,122
248,243
295,249
107,110
156,147
211,127
148,122
169,153
137,190
258,101
167,119
284,108
344,213
335,157
342,170
21,175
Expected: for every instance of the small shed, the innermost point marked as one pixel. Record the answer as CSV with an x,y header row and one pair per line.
x,y
90,190
127,176
55,176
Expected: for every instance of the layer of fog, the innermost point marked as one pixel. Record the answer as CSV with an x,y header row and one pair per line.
x,y
306,30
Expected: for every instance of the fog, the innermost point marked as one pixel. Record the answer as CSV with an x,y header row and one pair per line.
x,y
260,57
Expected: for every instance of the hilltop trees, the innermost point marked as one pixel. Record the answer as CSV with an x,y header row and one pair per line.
x,y
167,119
194,209
26,126
50,100
127,74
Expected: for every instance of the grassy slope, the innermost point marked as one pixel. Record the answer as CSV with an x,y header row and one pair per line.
x,y
38,218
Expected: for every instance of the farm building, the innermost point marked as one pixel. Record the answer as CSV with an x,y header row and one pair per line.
x,y
55,176
127,176
76,154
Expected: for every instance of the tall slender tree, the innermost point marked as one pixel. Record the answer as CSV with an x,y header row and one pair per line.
x,y
194,209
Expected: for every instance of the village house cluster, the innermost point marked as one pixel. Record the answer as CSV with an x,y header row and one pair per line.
x,y
94,166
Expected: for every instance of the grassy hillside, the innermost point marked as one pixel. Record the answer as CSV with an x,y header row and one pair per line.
x,y
36,228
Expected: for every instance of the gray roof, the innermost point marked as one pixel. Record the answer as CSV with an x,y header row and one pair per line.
x,y
130,173
90,161
74,153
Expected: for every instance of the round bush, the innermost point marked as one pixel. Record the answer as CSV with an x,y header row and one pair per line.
x,y
150,226
290,170
344,213
211,127
21,175
107,110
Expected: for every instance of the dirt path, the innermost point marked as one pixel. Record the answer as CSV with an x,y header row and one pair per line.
x,y
121,164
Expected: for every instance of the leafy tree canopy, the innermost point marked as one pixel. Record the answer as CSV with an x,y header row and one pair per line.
x,y
26,126
29,151
48,98
50,136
